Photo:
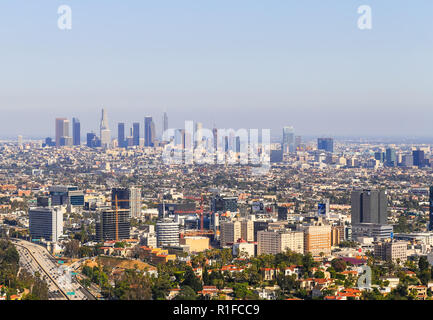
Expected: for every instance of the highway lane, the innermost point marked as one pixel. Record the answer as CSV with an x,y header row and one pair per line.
x,y
30,263
60,275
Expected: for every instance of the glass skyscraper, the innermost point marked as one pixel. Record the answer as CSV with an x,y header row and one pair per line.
x,y
288,144
149,132
326,144
136,134
76,132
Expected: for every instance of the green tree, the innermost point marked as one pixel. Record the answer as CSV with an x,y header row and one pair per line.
x,y
186,293
191,280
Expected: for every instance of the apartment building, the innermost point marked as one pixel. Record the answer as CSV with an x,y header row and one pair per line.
x,y
317,240
391,250
273,242
232,231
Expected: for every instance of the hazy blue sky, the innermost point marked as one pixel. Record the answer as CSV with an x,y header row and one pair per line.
x,y
238,63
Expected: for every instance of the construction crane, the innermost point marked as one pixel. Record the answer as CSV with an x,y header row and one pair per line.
x,y
116,201
199,212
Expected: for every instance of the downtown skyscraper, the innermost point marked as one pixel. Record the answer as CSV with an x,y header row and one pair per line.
x,y
136,133
76,132
105,133
369,206
149,132
62,132
326,144
164,123
121,135
288,143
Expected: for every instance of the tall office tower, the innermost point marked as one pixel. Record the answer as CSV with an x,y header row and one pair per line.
x,y
135,197
288,143
113,225
326,144
122,195
238,144
93,141
105,133
298,142
247,230
274,242
66,195
230,232
46,223
20,141
179,138
369,206
390,157
430,225
152,133
136,133
379,156
317,240
167,233
149,132
418,158
198,134
76,132
164,123
121,135
407,160
62,130
215,138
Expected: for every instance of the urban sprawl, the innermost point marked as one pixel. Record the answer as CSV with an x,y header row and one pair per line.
x,y
108,219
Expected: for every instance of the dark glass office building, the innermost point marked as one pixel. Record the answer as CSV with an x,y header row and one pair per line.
x,y
76,132
93,141
390,157
148,132
369,206
106,226
326,144
220,204
136,134
121,135
418,158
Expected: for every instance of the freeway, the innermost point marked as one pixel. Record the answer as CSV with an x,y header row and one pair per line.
x,y
59,278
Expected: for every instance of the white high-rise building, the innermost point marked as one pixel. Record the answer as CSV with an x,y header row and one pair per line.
x,y
135,201
198,135
20,141
167,233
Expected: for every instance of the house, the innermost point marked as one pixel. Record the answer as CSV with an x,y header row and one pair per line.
x,y
293,270
268,274
268,293
209,291
173,293
334,298
420,291
198,271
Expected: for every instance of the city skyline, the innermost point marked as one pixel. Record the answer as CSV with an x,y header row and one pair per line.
x,y
306,65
